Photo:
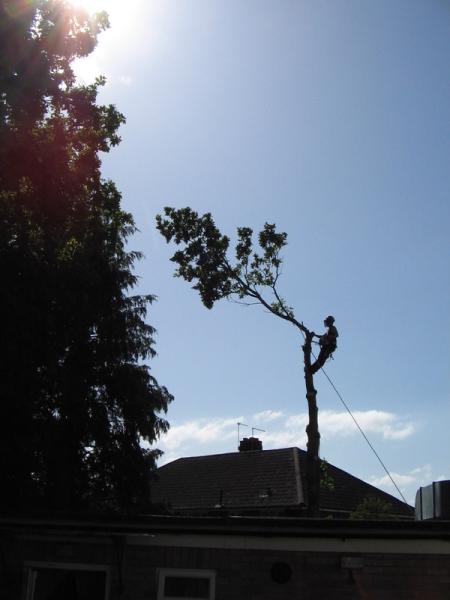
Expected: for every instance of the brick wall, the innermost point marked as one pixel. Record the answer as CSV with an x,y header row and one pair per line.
x,y
240,573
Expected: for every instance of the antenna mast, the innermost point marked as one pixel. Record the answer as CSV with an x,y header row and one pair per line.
x,y
256,429
239,425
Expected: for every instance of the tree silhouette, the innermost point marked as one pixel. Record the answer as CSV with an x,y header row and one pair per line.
x,y
77,398
251,278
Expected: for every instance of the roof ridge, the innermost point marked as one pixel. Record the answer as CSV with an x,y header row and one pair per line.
x,y
237,453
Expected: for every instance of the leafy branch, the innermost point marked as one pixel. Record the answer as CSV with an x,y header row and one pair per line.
x,y
204,259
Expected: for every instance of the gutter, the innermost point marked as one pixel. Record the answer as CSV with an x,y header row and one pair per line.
x,y
267,527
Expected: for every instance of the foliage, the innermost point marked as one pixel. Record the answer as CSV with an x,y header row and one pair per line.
x,y
76,397
204,260
326,480
372,508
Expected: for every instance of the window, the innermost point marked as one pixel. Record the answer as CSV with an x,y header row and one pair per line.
x,y
55,581
186,584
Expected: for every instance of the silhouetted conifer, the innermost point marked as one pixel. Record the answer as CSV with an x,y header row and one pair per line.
x,y
76,398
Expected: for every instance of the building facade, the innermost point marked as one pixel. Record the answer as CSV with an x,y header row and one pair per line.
x,y
224,558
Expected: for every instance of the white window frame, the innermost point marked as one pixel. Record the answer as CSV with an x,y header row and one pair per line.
x,y
32,566
194,573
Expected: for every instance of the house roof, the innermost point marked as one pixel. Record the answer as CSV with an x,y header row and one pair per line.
x,y
349,492
239,479
263,480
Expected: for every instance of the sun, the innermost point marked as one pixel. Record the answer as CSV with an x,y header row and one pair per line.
x,y
132,22
116,9
126,19
93,6
120,12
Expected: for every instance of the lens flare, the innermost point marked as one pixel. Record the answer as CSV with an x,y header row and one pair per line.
x,y
93,6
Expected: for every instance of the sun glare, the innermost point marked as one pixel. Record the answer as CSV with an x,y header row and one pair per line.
x,y
133,23
93,6
121,13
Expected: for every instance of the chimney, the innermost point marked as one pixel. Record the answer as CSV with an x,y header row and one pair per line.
x,y
251,443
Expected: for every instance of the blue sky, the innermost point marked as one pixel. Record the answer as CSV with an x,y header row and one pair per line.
x,y
330,119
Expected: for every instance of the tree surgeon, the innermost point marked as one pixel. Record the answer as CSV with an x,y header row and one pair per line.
x,y
327,342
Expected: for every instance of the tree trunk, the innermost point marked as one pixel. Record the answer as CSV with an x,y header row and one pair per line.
x,y
312,432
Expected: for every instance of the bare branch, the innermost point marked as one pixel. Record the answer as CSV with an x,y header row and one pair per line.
x,y
277,274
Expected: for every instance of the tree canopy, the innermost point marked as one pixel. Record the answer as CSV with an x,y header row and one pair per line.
x,y
77,397
204,259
